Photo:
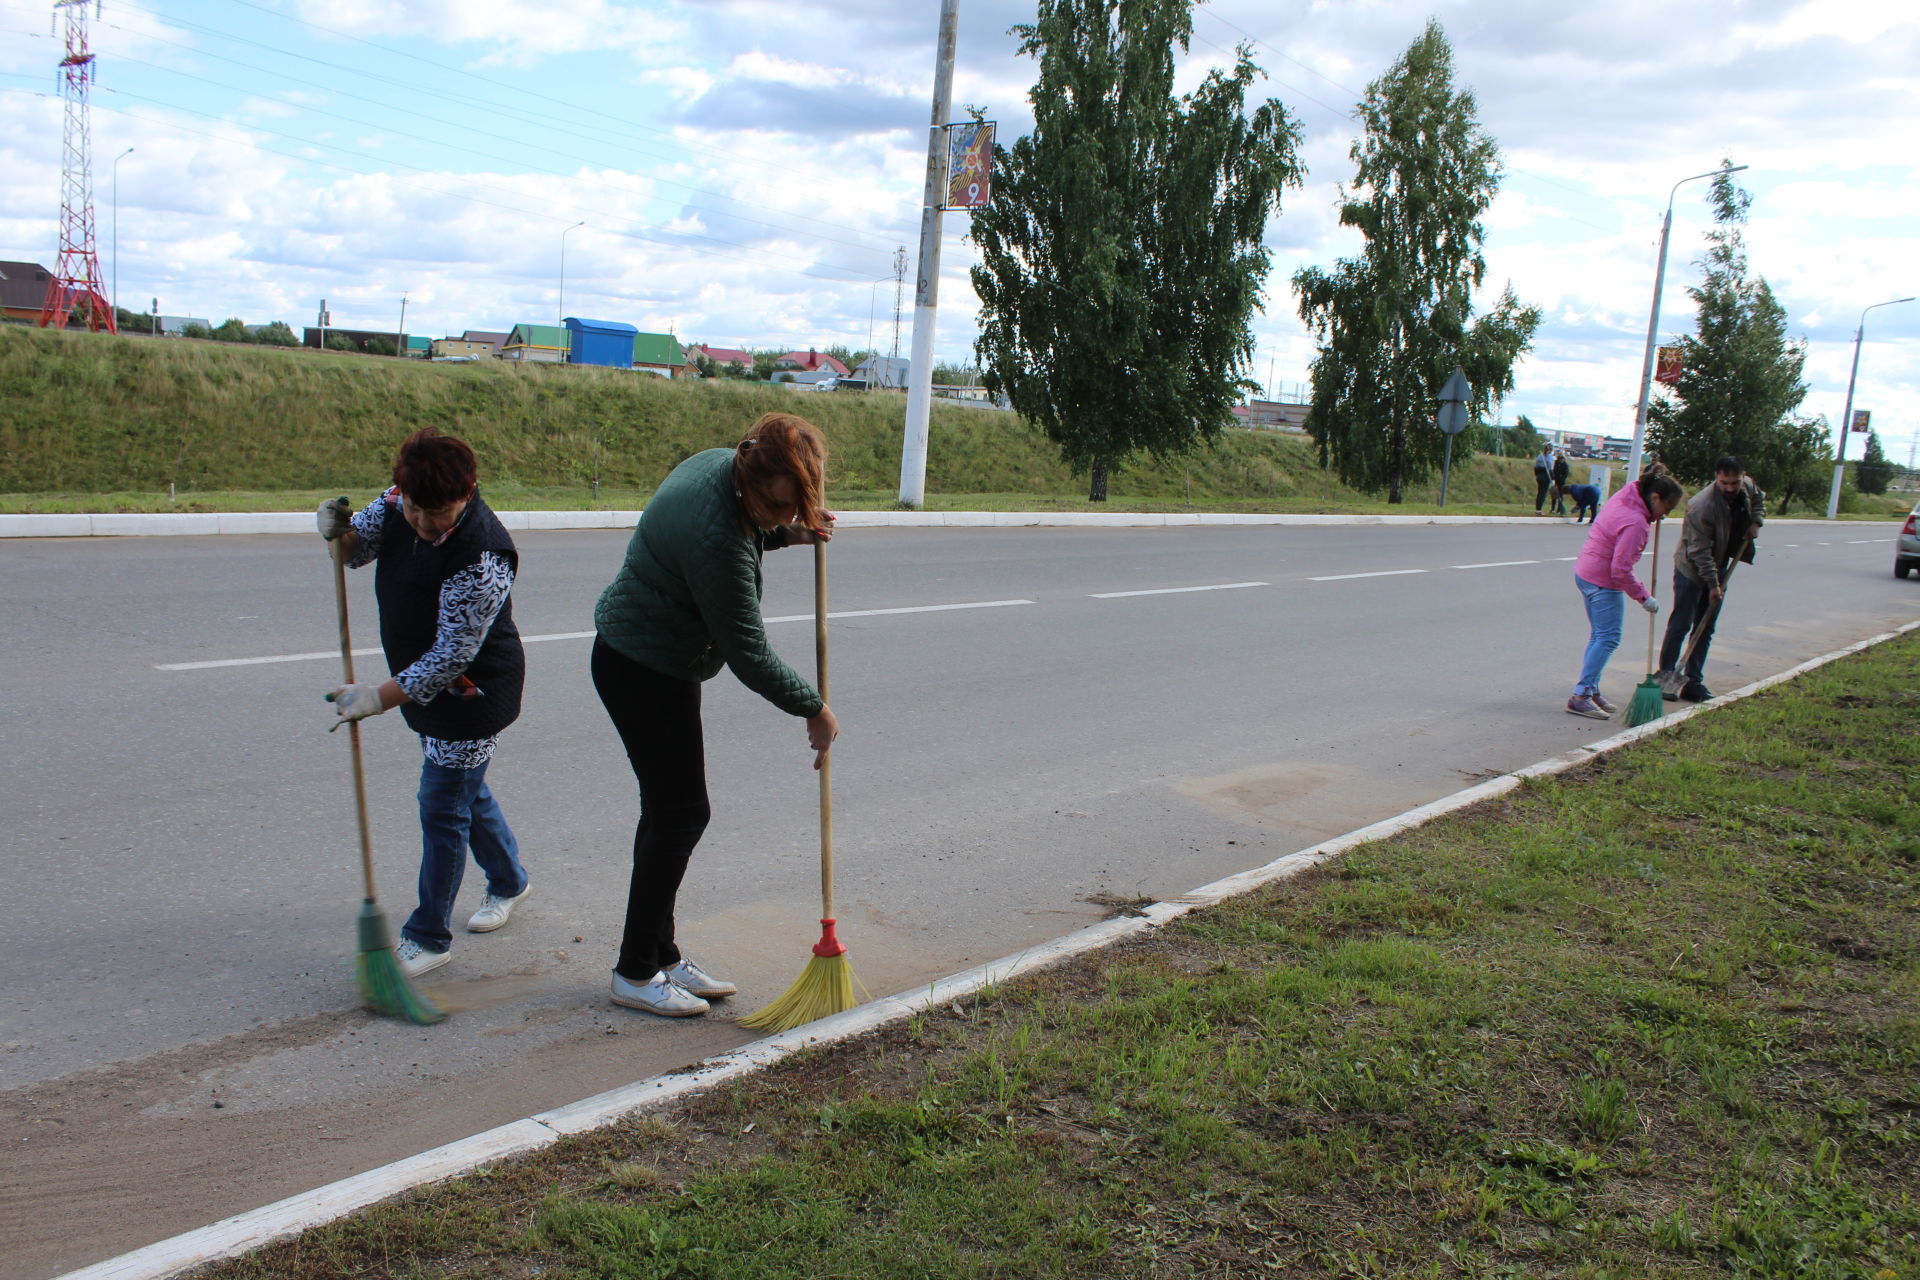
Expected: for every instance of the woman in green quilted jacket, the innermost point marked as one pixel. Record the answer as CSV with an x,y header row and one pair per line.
x,y
685,603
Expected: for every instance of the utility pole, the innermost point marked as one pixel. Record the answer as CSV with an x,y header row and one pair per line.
x,y
400,339
913,450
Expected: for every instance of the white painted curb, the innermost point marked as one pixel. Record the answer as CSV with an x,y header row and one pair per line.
x,y
204,523
288,1217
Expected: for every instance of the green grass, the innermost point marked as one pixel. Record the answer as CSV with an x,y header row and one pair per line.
x,y
101,423
1653,1018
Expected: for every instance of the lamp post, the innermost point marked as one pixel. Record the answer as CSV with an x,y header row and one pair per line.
x,y
561,318
1846,415
115,304
1653,322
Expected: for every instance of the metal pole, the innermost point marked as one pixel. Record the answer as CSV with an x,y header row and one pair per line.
x,y
1653,323
400,338
115,304
913,448
1446,471
1846,415
560,318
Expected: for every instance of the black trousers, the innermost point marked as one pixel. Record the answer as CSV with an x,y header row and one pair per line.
x,y
1541,482
658,719
1691,601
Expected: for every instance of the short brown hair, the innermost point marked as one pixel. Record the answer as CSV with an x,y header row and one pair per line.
x,y
1658,484
433,471
782,444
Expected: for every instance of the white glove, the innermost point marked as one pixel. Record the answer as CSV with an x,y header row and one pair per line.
x,y
1650,605
355,702
332,518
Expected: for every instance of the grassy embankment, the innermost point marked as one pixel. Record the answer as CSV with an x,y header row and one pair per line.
x,y
1659,1017
94,423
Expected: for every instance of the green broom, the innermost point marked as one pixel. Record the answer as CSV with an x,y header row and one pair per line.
x,y
826,985
385,988
1648,705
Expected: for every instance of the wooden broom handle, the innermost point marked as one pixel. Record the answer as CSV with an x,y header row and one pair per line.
x,y
339,551
1654,589
826,763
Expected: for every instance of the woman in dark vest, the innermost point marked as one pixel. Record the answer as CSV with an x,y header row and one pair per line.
x,y
443,577
686,602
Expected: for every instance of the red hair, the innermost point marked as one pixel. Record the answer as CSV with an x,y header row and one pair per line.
x,y
782,444
434,471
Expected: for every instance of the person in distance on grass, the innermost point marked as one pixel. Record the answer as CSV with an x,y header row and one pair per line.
x,y
1542,478
685,602
443,577
1725,515
1604,573
1561,474
1586,501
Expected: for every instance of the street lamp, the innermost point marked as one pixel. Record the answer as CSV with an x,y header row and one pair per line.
x,y
115,304
1846,415
1653,322
561,319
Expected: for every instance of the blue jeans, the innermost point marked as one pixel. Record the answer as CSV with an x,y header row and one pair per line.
x,y
457,811
1605,608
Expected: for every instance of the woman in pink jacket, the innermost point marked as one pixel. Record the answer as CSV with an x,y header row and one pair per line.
x,y
1604,573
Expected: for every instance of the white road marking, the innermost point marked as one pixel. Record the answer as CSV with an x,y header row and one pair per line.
x,y
1384,573
915,608
1563,559
1493,564
1861,542
572,635
1170,591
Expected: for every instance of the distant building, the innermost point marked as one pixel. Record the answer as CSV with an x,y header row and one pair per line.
x,y
175,326
487,338
464,348
23,290
1275,415
721,356
536,344
810,361
419,346
661,353
882,371
603,342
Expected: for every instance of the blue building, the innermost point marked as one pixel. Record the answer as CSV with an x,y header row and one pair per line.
x,y
604,342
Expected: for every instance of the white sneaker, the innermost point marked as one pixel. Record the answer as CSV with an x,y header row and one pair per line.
x,y
691,976
494,911
659,994
416,959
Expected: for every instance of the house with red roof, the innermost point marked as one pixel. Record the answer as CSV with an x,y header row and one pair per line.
x,y
810,361
721,355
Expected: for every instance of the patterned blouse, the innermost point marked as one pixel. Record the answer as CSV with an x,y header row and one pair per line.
x,y
469,602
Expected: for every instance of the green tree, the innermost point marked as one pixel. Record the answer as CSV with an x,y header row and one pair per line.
x,y
276,334
338,341
233,329
132,321
1395,321
380,345
1875,471
195,330
1739,381
1800,469
1121,257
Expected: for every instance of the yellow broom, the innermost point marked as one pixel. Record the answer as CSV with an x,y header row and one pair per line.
x,y
826,985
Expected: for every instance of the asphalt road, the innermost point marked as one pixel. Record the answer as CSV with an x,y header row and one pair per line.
x,y
1038,724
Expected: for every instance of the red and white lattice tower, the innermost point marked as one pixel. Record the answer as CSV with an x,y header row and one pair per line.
x,y
76,278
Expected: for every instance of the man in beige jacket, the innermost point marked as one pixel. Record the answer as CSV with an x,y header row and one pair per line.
x,y
1721,523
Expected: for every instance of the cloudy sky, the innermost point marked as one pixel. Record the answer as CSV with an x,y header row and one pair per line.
x,y
746,169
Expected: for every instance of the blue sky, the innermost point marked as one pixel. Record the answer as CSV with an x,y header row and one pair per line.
x,y
746,169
